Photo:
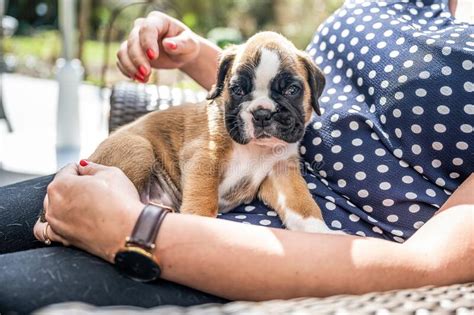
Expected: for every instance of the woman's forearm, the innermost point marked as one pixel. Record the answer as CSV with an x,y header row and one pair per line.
x,y
255,263
204,68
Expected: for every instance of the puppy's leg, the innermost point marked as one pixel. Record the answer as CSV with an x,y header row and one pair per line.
x,y
200,184
133,154
285,190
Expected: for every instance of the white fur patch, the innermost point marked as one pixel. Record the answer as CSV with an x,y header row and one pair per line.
x,y
251,161
295,222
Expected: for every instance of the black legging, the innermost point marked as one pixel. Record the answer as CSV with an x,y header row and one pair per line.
x,y
33,275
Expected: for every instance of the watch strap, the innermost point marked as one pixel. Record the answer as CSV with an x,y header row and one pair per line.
x,y
148,224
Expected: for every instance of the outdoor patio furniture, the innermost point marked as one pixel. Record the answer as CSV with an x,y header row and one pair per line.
x,y
129,101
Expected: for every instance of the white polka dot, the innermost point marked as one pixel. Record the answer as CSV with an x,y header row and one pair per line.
x,y
443,110
380,152
249,208
461,145
376,229
371,219
360,175
418,168
397,232
416,128
318,157
385,186
418,224
398,153
317,125
420,92
358,158
446,70
265,222
466,128
354,218
399,95
411,195
408,63
336,224
438,146
336,149
394,54
454,175
375,58
436,163
392,218
430,192
398,239
446,90
338,166
367,208
418,110
330,206
407,179
414,208
469,87
416,149
384,84
241,217
383,100
353,125
402,79
467,64
397,113
388,202
360,233
335,133
271,213
341,183
330,198
317,141
400,41
424,75
428,57
311,185
440,182
357,142
382,168
370,36
363,193
458,161
439,128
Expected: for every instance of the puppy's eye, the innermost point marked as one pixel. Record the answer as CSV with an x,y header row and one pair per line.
x,y
237,90
291,90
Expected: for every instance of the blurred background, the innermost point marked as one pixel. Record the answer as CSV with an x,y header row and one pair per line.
x,y
33,41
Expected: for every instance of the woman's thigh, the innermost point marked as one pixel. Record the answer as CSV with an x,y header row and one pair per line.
x,y
20,206
39,277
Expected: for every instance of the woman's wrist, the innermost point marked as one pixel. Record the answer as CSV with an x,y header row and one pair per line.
x,y
203,69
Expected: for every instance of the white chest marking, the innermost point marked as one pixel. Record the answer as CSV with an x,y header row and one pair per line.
x,y
251,161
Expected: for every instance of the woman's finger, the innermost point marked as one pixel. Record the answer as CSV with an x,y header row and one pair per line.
x,y
90,168
138,58
43,231
127,65
148,34
183,43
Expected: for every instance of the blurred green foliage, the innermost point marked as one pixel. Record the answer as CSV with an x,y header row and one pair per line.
x,y
224,21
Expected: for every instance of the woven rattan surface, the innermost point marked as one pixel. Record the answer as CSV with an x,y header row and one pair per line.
x,y
129,101
454,299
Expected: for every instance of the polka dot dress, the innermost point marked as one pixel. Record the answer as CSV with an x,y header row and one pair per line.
x,y
395,138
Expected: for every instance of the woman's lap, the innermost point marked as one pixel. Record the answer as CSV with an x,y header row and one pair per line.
x,y
38,276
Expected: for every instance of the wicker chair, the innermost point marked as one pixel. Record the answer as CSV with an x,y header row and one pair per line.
x,y
129,101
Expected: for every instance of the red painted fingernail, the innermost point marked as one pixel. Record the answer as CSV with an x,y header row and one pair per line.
x,y
139,77
150,53
143,70
83,163
172,45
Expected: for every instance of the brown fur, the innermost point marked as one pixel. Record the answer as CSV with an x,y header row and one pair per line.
x,y
190,147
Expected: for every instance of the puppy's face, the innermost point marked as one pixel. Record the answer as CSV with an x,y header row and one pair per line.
x,y
269,90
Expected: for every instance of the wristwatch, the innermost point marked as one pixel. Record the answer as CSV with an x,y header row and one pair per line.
x,y
136,259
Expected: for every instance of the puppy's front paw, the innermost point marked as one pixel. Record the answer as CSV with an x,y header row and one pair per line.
x,y
295,222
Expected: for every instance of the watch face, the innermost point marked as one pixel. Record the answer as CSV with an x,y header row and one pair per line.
x,y
137,265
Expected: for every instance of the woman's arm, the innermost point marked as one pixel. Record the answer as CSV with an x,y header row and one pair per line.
x,y
254,263
239,261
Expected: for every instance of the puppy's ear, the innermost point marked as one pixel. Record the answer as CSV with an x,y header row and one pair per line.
x,y
225,64
316,80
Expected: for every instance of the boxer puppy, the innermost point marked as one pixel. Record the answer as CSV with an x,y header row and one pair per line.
x,y
242,143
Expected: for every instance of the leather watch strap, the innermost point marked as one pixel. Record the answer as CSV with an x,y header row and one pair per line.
x,y
148,223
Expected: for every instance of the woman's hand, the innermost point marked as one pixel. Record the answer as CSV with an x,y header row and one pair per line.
x,y
157,41
93,207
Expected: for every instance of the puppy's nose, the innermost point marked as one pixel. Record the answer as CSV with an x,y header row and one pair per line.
x,y
262,116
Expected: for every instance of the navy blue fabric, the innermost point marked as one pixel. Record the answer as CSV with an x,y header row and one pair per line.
x,y
395,137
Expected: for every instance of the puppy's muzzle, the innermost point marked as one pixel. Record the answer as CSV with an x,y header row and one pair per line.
x,y
262,117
